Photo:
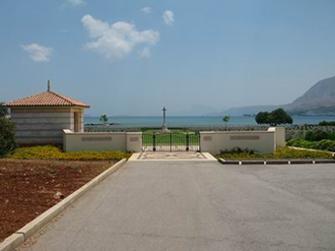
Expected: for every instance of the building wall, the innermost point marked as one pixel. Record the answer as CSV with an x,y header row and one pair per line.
x,y
260,141
43,125
100,141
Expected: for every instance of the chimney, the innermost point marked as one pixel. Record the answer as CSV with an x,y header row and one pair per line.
x,y
49,85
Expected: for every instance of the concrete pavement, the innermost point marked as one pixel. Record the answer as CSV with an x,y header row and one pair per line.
x,y
200,206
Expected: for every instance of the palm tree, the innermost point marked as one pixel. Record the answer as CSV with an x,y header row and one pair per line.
x,y
226,120
104,118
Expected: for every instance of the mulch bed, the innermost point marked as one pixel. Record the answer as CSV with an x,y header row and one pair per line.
x,y
30,187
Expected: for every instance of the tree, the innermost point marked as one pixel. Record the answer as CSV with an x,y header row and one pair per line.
x,y
276,117
3,110
7,136
262,118
103,118
226,119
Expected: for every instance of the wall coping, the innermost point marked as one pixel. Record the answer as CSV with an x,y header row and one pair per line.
x,y
234,132
70,132
269,130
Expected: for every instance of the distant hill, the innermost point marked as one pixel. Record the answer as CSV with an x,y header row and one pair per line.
x,y
248,110
318,100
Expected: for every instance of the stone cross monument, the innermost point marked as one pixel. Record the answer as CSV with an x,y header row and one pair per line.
x,y
164,126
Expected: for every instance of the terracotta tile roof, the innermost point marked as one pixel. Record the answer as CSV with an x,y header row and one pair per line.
x,y
48,98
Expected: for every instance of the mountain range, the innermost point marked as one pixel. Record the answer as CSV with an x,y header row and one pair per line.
x,y
318,100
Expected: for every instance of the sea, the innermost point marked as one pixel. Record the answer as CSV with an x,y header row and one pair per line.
x,y
195,121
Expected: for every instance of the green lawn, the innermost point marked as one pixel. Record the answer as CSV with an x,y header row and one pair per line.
x,y
175,137
281,153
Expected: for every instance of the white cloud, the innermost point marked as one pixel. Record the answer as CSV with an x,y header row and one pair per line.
x,y
168,17
117,40
38,53
145,53
76,2
146,10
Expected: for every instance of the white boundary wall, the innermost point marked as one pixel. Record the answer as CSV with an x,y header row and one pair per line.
x,y
260,141
100,141
211,141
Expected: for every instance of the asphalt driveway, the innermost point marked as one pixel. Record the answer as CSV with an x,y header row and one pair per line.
x,y
200,206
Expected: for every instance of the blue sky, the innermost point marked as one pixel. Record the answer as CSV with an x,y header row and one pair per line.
x,y
132,57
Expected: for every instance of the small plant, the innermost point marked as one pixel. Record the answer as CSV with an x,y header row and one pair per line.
x,y
237,150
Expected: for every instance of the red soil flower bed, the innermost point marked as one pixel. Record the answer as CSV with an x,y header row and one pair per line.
x,y
29,187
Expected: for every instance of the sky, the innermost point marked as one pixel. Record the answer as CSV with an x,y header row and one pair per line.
x,y
194,57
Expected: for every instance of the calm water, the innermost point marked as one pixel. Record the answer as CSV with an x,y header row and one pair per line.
x,y
195,121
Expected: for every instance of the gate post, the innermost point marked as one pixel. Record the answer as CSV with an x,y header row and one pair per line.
x,y
199,141
170,142
187,142
154,142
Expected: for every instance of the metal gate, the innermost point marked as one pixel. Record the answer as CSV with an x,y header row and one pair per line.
x,y
171,141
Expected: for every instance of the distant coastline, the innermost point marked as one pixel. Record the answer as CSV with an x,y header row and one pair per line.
x,y
193,121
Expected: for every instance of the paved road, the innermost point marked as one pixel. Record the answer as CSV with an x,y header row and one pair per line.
x,y
200,206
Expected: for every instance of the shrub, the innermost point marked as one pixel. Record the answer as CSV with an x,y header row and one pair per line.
x,y
54,153
287,153
317,135
238,150
280,153
3,110
326,144
327,123
301,143
7,136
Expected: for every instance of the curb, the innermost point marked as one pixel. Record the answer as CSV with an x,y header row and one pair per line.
x,y
276,162
17,238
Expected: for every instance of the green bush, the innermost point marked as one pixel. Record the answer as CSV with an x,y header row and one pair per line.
x,y
317,135
326,144
3,110
298,142
280,153
327,123
288,153
7,136
54,153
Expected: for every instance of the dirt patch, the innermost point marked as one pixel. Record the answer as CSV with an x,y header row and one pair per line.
x,y
29,187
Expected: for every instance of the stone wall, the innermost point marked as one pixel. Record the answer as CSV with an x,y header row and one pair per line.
x,y
43,125
100,141
260,141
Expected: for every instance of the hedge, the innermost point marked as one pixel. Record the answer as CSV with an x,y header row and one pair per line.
x,y
55,153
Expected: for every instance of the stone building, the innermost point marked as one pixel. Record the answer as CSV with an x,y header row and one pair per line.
x,y
40,119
